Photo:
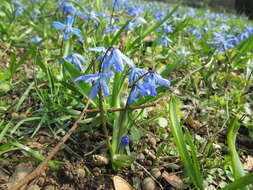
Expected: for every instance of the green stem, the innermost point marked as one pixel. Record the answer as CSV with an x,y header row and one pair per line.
x,y
102,117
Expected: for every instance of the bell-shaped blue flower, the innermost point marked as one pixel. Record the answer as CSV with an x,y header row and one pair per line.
x,y
67,7
19,10
135,74
116,59
77,60
99,82
125,140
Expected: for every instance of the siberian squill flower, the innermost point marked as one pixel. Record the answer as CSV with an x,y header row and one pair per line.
x,y
195,32
35,14
19,10
147,87
151,82
77,60
67,7
91,15
16,2
135,74
164,40
67,28
35,39
125,140
99,82
116,59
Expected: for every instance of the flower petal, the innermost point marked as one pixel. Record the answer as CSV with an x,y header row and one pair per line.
x,y
58,25
94,91
104,87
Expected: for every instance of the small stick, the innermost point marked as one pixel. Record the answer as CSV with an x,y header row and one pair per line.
x,y
43,165
142,167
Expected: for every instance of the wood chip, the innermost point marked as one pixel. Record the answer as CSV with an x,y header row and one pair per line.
x,y
120,183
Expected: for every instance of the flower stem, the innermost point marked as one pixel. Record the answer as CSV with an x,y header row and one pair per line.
x,y
102,117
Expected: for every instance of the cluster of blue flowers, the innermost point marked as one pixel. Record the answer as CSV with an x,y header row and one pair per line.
x,y
142,82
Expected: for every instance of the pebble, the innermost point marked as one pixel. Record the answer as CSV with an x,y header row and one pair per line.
x,y
100,160
148,184
156,172
81,172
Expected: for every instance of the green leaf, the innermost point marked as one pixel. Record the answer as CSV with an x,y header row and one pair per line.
x,y
180,141
231,138
240,183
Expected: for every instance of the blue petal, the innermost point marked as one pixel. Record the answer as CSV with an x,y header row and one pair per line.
x,y
107,63
65,35
77,32
94,91
132,96
117,60
125,58
70,20
135,74
87,78
162,81
104,87
58,25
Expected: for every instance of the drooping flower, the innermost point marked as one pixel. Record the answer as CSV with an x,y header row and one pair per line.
x,y
16,2
99,82
116,59
77,60
147,87
67,7
67,28
19,10
125,140
150,83
135,74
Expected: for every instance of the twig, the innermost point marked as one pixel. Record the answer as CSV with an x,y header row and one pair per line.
x,y
142,167
42,167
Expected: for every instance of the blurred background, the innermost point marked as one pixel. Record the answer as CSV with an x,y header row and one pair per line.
x,y
240,6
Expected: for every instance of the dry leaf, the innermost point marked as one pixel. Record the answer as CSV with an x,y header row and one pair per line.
x,y
173,180
248,165
121,184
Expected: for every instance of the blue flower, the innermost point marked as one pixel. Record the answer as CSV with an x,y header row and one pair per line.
x,y
35,14
135,74
147,87
125,140
116,60
35,39
77,60
19,10
164,40
110,29
68,28
16,2
67,7
195,32
99,82
91,15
